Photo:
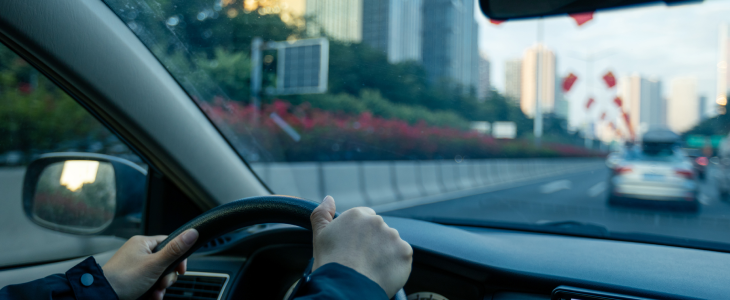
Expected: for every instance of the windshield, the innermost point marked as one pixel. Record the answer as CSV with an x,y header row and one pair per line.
x,y
664,154
427,109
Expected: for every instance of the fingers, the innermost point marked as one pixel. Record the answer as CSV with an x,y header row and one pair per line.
x,y
178,247
323,214
182,267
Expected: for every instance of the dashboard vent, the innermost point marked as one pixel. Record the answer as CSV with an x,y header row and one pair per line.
x,y
198,285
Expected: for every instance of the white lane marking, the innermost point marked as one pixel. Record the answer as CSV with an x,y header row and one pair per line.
x,y
597,189
704,199
556,186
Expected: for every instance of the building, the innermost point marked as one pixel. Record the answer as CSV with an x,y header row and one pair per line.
x,y
485,83
529,86
642,100
682,107
723,57
337,19
394,27
703,108
513,79
449,48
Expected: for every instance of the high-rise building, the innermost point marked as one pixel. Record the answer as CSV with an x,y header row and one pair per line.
x,y
703,107
337,19
530,80
682,107
642,100
513,79
723,70
450,49
485,83
394,27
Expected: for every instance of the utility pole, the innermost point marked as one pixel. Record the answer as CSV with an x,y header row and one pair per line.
x,y
537,126
256,72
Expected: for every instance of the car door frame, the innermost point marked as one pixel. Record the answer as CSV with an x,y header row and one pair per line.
x,y
90,53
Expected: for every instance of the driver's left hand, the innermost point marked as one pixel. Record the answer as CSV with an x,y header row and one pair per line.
x,y
134,269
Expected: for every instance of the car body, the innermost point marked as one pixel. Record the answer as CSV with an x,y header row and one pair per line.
x,y
655,173
666,179
86,49
699,161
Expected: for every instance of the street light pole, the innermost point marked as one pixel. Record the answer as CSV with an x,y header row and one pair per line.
x,y
256,72
537,126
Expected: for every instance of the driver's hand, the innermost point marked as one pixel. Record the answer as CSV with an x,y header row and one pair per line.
x,y
134,269
361,240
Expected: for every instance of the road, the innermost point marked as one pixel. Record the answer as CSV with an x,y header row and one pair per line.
x,y
582,197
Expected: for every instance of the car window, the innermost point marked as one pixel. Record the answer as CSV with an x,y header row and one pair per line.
x,y
36,117
428,109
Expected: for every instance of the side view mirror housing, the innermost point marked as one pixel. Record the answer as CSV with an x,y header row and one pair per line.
x,y
85,194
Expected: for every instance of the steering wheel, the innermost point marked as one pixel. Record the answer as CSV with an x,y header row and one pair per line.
x,y
246,212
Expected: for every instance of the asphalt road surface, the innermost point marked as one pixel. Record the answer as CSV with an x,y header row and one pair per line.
x,y
582,197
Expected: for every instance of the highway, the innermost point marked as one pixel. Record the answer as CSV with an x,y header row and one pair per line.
x,y
581,197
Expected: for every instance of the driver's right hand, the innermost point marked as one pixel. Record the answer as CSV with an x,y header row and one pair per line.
x,y
361,240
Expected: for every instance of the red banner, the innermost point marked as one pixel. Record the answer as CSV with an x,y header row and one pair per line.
x,y
568,82
628,123
618,101
582,18
609,79
590,103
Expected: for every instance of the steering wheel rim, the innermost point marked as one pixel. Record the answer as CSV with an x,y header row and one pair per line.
x,y
241,213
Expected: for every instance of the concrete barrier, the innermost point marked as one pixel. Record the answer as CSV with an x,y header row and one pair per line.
x,y
342,181
449,177
300,178
378,183
465,173
407,179
431,177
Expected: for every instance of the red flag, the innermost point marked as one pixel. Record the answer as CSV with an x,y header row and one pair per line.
x,y
496,22
618,101
628,123
603,116
590,102
609,79
568,82
582,18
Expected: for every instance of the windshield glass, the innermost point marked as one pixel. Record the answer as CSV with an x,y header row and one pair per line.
x,y
427,109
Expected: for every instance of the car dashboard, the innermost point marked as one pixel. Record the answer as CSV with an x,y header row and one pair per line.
x,y
460,263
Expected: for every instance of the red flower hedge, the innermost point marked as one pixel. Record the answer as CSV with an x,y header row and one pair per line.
x,y
326,136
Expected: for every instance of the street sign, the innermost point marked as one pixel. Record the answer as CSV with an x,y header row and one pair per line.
x,y
504,130
302,66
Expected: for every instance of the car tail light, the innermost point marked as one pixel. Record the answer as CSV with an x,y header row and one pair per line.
x,y
702,161
622,170
685,173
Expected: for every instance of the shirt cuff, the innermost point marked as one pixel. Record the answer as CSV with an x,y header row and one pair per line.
x,y
336,281
88,282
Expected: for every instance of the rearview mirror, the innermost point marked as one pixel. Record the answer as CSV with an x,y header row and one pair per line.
x,y
516,9
85,193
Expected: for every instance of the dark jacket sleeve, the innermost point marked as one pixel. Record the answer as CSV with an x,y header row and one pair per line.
x,y
335,281
84,281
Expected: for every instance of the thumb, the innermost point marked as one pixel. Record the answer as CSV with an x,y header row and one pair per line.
x,y
323,214
178,247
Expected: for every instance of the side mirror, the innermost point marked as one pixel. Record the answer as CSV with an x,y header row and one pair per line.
x,y
85,193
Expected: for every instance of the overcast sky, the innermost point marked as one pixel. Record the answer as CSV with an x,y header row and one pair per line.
x,y
654,41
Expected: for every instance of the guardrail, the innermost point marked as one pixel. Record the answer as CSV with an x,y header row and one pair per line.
x,y
375,183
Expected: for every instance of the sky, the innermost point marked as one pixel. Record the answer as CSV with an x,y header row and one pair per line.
x,y
653,41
